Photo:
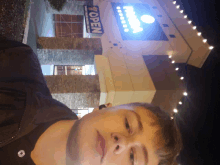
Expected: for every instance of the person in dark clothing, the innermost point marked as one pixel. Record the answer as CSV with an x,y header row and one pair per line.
x,y
37,129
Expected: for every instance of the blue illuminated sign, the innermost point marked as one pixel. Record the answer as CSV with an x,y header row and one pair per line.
x,y
136,22
92,19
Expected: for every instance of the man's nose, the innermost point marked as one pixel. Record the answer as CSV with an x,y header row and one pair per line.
x,y
120,142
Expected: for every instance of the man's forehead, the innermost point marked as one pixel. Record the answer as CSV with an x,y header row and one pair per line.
x,y
127,107
136,109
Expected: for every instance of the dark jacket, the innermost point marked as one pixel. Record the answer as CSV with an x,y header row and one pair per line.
x,y
25,100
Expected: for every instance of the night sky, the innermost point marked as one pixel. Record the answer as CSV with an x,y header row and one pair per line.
x,y
199,115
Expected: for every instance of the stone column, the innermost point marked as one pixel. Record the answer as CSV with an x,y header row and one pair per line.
x,y
68,51
75,90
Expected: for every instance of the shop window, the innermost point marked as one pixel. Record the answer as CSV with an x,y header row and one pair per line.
x,y
68,25
74,70
67,70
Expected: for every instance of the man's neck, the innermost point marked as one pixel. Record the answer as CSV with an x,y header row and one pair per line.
x,y
51,145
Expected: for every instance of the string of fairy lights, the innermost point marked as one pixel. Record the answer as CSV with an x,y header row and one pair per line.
x,y
190,22
175,110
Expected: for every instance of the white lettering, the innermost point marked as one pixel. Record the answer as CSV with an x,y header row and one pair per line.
x,y
93,14
132,19
93,8
96,24
96,30
96,19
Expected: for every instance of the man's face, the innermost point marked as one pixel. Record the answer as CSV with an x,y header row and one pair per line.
x,y
124,132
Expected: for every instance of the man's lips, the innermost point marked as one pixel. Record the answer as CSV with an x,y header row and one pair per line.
x,y
100,146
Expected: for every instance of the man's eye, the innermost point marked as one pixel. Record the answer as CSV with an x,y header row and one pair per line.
x,y
127,125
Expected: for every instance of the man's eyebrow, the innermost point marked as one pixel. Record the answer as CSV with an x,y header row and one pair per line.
x,y
140,126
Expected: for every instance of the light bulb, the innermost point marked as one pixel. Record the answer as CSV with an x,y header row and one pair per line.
x,y
175,110
181,11
174,2
180,103
170,56
204,40
211,47
173,62
177,69
189,22
199,33
194,27
185,94
123,22
185,16
178,6
181,78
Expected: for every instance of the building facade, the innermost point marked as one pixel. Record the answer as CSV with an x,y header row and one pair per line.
x,y
133,55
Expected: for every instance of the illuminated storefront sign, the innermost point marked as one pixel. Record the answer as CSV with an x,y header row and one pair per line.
x,y
136,22
92,19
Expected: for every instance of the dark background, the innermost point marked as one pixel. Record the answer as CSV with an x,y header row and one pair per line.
x,y
199,115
